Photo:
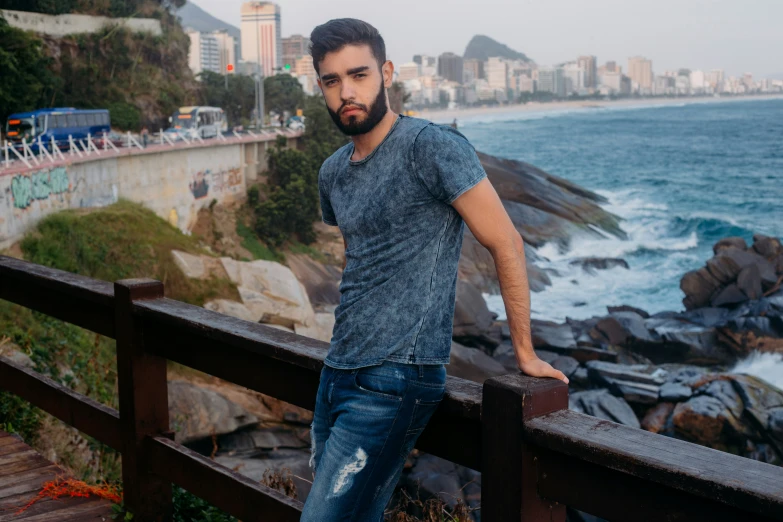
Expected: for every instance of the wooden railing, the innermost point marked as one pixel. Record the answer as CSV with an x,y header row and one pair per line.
x,y
534,454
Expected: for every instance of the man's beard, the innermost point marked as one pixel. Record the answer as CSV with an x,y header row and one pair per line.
x,y
375,114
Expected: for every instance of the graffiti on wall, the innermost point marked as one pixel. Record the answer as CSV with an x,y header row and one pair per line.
x,y
218,180
38,186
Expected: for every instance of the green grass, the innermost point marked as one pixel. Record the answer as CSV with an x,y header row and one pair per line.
x,y
296,247
252,244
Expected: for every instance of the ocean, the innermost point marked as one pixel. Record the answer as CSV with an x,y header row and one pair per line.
x,y
681,177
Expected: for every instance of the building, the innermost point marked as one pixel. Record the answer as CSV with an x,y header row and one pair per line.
x,y
640,72
698,82
497,74
294,47
589,65
575,78
304,71
408,71
552,79
473,69
450,67
210,51
261,41
715,79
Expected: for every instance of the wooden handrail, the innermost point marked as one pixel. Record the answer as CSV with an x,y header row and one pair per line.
x,y
535,456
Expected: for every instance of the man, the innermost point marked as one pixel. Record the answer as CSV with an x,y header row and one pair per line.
x,y
400,192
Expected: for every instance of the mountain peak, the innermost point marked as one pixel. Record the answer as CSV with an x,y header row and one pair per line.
x,y
482,47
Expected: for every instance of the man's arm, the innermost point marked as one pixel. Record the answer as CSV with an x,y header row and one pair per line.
x,y
484,214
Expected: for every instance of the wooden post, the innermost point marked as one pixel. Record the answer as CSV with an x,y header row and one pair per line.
x,y
143,398
509,475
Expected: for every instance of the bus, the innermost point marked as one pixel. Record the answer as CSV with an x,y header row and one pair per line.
x,y
205,122
57,123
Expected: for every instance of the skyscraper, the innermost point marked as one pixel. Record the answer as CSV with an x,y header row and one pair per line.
x,y
210,51
450,67
497,73
473,69
589,64
640,72
552,79
261,41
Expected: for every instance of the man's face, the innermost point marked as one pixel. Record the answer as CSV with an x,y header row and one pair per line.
x,y
354,88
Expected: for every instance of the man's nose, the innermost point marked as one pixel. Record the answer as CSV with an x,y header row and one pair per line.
x,y
348,92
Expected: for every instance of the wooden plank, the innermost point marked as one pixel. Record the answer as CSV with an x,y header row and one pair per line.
x,y
746,484
45,472
96,510
616,496
23,455
13,448
19,481
9,439
75,409
90,302
143,398
32,462
230,491
508,479
47,505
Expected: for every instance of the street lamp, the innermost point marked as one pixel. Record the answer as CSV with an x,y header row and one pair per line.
x,y
259,76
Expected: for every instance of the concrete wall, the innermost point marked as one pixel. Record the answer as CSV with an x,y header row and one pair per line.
x,y
174,183
61,25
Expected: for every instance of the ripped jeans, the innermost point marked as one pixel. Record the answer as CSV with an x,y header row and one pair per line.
x,y
365,423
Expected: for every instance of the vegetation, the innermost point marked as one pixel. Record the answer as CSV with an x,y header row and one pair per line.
x,y
234,93
292,201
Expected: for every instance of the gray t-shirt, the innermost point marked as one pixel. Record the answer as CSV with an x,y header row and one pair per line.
x,y
404,239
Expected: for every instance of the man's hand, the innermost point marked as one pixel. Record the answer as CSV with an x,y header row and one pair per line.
x,y
538,368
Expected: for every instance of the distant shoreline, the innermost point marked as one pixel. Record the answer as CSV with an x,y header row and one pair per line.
x,y
448,115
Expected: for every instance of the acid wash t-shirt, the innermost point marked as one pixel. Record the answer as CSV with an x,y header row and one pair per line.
x,y
404,238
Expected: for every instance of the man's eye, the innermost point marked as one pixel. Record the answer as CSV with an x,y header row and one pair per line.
x,y
360,75
331,82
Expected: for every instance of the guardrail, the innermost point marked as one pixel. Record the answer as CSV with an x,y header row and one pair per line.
x,y
534,454
21,155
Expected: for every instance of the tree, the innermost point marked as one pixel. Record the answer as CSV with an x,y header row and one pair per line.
x,y
321,137
26,81
283,92
398,97
238,101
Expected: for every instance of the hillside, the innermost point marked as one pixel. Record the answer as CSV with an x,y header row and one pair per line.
x,y
482,47
193,16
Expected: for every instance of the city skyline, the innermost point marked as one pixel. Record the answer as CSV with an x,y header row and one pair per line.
x,y
725,36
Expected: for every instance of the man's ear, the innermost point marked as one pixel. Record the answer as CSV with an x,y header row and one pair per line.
x,y
388,73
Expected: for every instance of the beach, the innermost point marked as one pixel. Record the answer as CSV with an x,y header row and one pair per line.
x,y
448,115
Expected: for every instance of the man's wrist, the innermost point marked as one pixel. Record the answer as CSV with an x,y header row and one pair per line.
x,y
525,353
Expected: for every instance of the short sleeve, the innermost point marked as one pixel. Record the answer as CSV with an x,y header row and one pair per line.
x,y
445,162
327,213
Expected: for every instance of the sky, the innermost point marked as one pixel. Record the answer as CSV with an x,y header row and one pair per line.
x,y
735,35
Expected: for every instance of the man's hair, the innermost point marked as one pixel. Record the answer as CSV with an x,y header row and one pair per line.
x,y
336,34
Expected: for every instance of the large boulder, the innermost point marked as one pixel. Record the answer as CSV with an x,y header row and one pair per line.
x,y
231,308
604,405
473,322
321,281
197,413
473,364
634,383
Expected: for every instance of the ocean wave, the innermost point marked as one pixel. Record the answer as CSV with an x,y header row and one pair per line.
x,y
766,366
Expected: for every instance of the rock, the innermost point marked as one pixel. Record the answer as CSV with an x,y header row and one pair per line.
x,y
604,405
16,354
674,392
707,316
295,461
724,391
775,423
321,328
232,308
749,282
627,308
729,295
579,377
473,364
566,364
657,418
701,419
473,322
197,413
637,383
322,282
272,279
767,247
198,266
249,441
547,334
434,477
698,286
683,342
727,265
729,242
267,309
591,264
758,397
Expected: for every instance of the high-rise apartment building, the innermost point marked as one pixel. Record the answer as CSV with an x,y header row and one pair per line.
x,y
473,69
294,47
261,41
497,73
303,70
408,71
552,79
210,51
589,65
640,72
450,67
575,77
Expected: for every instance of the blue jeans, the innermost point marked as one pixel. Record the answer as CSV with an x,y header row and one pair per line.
x,y
365,423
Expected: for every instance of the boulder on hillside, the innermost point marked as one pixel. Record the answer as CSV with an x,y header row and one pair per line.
x,y
197,413
231,308
729,242
198,266
321,281
321,328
